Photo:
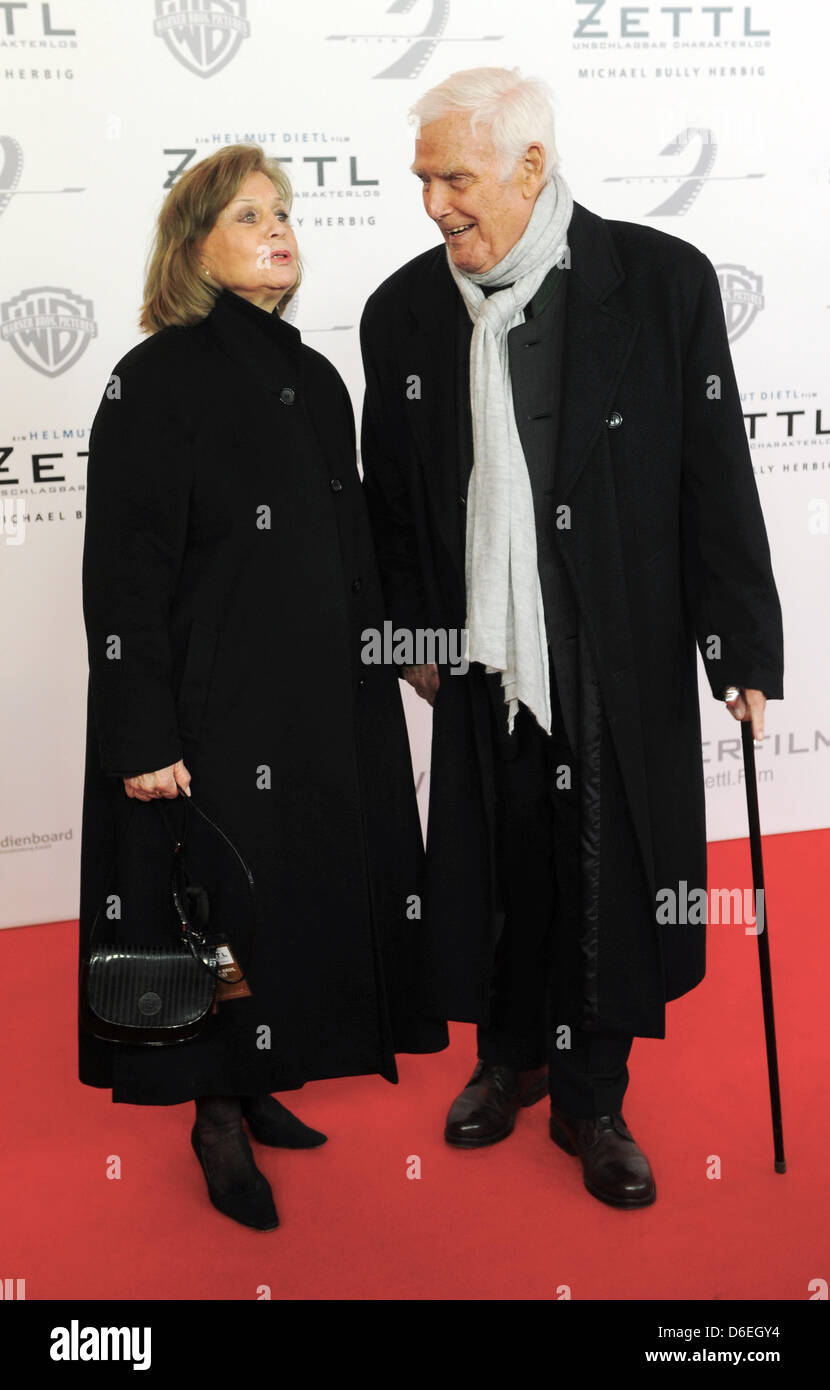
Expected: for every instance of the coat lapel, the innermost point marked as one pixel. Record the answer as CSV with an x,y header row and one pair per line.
x,y
598,343
429,358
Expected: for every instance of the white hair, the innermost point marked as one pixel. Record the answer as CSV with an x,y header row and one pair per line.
x,y
516,111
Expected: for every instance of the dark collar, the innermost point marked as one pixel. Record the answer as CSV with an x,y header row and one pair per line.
x,y
256,339
593,253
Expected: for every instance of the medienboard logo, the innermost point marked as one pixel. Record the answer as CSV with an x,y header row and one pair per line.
x,y
741,292
203,35
420,46
48,328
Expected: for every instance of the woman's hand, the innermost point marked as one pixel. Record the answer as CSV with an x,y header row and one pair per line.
x,y
424,679
151,785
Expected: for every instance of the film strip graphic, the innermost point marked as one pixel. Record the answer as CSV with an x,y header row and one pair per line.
x,y
679,202
422,45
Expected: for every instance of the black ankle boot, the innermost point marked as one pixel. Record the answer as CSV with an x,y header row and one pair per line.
x,y
270,1123
235,1185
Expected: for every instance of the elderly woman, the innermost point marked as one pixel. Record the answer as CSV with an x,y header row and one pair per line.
x,y
228,552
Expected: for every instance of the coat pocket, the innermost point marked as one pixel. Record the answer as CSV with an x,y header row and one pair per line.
x,y
196,677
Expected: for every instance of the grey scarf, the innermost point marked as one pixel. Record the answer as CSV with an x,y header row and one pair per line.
x,y
505,613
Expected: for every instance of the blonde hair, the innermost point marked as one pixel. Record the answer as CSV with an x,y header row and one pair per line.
x,y
176,290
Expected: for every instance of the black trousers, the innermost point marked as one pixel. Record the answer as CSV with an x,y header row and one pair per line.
x,y
537,837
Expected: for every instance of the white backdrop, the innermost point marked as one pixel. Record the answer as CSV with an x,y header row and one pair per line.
x,y
710,126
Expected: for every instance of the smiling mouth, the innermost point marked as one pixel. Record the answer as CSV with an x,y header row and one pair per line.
x,y
281,256
456,231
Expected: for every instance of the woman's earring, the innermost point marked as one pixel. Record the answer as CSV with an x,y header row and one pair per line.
x,y
207,272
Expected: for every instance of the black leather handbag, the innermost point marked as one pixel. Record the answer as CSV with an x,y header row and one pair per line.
x,y
156,995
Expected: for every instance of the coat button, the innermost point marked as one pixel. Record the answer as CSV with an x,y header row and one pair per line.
x,y
356,586
287,395
462,501
336,485
614,420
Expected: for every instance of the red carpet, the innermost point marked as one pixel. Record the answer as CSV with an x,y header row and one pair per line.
x,y
509,1222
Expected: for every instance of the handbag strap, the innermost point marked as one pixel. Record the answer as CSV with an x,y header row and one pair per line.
x,y
179,881
192,936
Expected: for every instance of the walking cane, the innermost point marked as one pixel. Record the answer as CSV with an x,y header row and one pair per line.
x,y
762,928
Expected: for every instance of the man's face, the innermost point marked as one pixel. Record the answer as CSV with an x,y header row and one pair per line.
x,y
479,217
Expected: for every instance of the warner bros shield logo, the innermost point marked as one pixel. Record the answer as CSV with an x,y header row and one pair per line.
x,y
203,34
741,292
49,328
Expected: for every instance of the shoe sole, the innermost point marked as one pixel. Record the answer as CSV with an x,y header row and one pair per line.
x,y
621,1203
536,1094
479,1143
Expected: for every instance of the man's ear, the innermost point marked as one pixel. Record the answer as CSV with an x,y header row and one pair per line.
x,y
533,170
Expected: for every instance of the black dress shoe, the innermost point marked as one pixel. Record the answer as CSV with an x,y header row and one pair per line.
x,y
270,1123
486,1110
615,1170
253,1207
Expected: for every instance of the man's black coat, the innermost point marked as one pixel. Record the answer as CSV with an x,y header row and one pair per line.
x,y
662,545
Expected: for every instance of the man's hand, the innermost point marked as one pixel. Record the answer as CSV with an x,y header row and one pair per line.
x,y
423,679
151,785
749,704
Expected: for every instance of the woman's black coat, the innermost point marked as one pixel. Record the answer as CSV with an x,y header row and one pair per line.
x,y
664,546
228,575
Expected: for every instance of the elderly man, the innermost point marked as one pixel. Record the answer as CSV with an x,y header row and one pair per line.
x,y
555,460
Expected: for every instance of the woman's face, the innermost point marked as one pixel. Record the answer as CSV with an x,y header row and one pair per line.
x,y
252,249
